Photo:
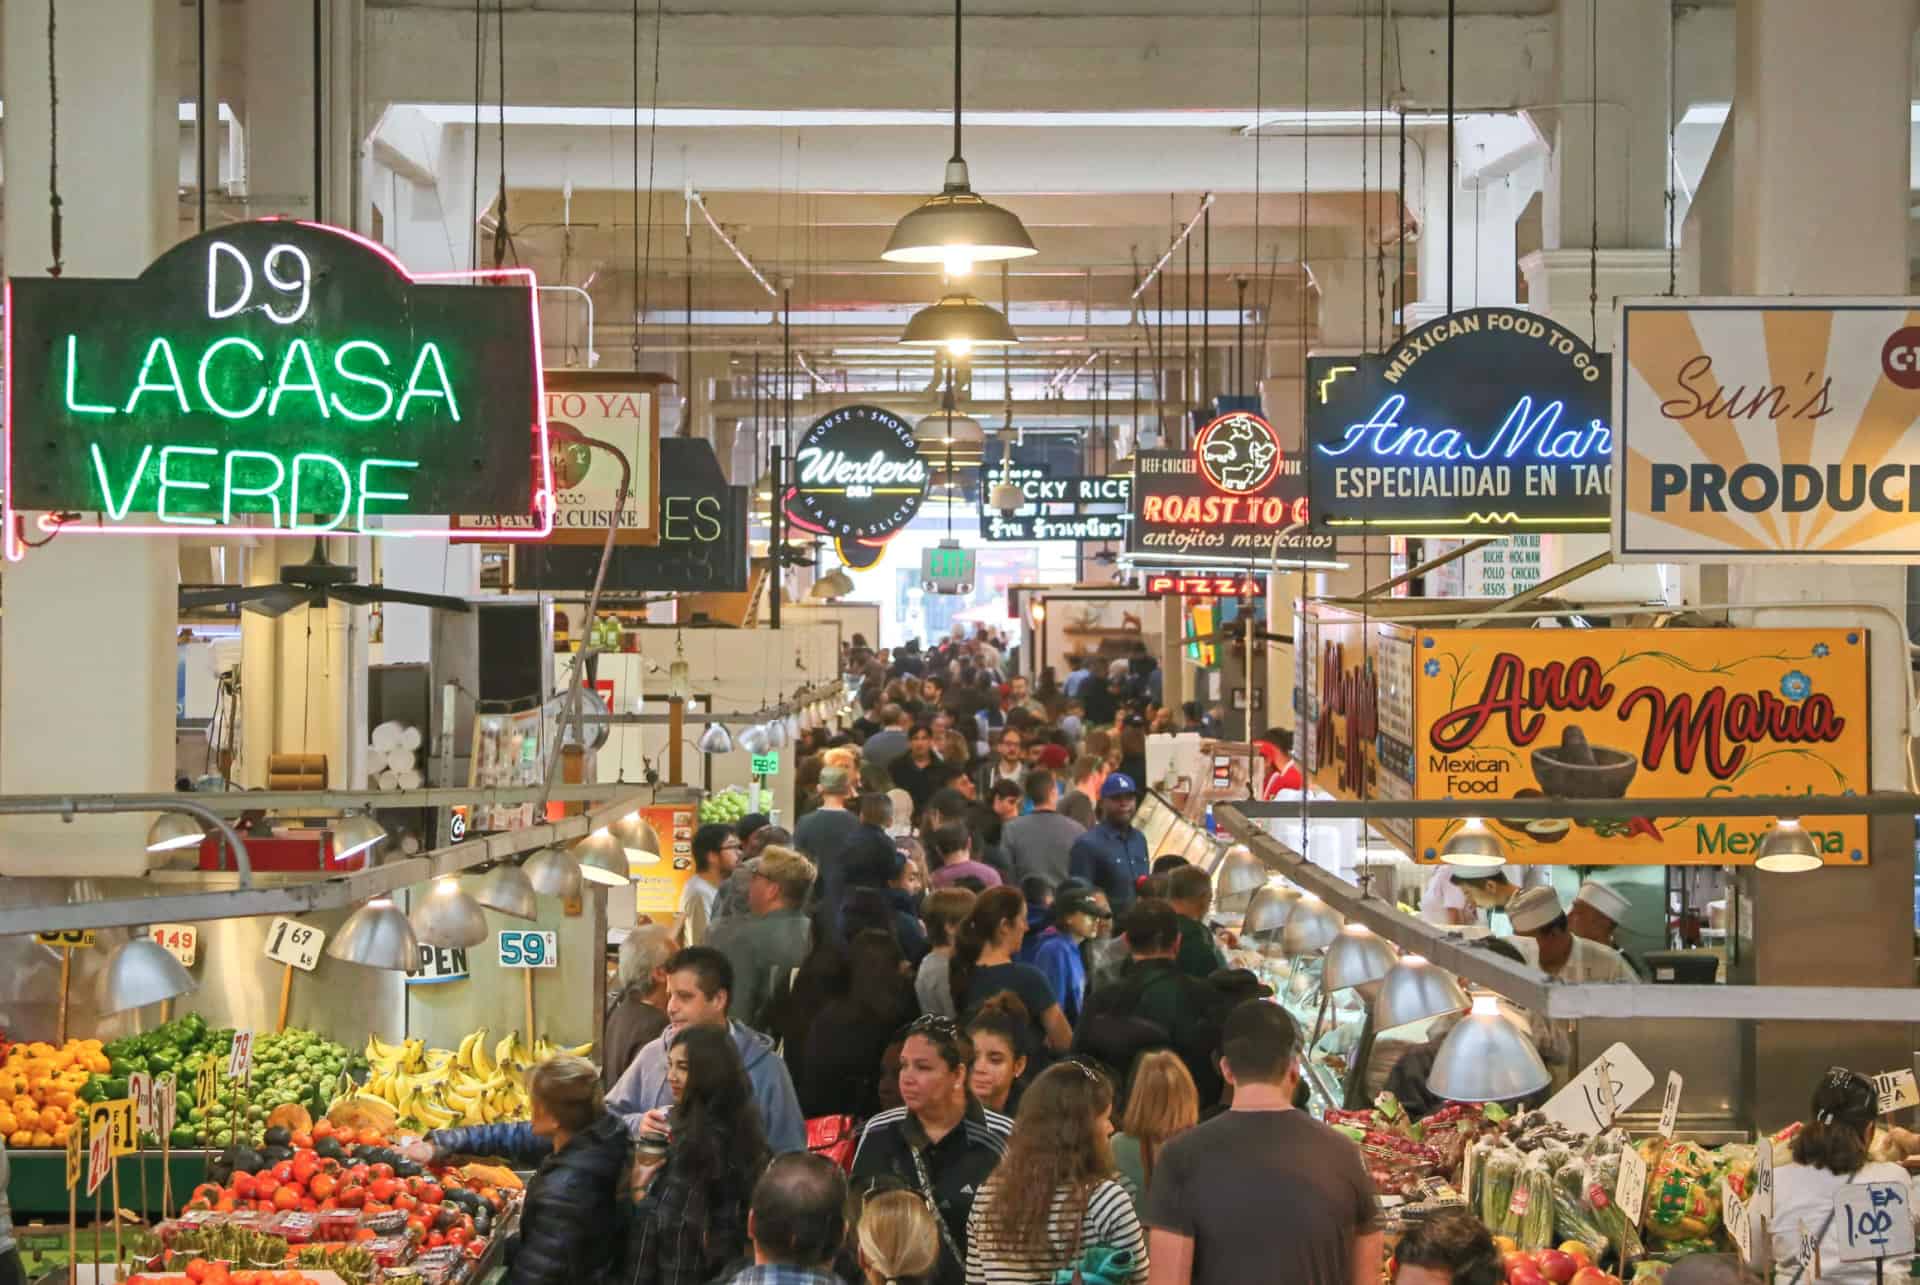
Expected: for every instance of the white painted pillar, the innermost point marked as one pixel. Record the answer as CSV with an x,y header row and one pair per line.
x,y
1486,196
87,690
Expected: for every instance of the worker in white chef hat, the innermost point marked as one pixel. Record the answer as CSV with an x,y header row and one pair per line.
x,y
1541,933
1596,912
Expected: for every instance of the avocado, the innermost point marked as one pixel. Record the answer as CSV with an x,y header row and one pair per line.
x,y
279,1136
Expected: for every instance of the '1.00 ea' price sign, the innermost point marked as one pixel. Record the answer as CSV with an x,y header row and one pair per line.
x,y
526,948
1872,1221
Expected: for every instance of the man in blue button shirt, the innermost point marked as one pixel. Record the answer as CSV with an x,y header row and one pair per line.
x,y
1112,855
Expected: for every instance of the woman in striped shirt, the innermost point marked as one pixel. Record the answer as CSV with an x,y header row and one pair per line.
x,y
1057,1194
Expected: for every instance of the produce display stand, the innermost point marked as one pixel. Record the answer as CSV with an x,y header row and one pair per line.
x,y
39,1182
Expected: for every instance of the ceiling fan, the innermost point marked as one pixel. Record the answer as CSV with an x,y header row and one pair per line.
x,y
312,583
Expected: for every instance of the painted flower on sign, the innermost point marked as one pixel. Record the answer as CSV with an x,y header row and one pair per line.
x,y
1796,686
1821,651
1433,668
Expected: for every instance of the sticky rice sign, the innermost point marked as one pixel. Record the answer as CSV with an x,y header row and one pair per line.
x,y
1625,714
1767,428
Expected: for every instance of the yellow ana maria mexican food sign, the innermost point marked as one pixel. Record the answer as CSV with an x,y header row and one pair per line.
x,y
1622,714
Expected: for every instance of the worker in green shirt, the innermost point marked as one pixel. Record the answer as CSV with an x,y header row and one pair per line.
x,y
1190,891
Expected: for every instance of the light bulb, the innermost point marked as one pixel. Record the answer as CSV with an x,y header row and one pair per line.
x,y
1485,1006
959,260
959,347
679,681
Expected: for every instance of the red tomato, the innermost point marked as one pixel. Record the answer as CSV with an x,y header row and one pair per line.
x,y
283,1171
302,1140
431,1194
323,1185
287,1198
264,1186
459,1235
436,1240
383,1188
382,1171
197,1269
243,1185
352,1196
405,1200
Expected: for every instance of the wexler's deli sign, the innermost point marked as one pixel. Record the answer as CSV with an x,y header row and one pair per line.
x,y
857,477
1599,715
277,370
1491,419
1757,428
1057,507
1234,496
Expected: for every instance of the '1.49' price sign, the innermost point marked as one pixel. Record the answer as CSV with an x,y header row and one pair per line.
x,y
527,948
182,941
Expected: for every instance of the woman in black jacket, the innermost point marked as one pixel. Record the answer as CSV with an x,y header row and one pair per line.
x,y
840,1073
580,1190
692,1223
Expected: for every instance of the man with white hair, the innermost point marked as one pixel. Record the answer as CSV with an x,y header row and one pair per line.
x,y
639,1013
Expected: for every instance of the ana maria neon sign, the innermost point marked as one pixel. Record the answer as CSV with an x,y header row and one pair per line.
x,y
1492,419
287,377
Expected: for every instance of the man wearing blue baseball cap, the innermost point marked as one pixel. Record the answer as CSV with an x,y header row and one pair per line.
x,y
1112,855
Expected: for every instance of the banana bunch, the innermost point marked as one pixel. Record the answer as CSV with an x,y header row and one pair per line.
x,y
478,1083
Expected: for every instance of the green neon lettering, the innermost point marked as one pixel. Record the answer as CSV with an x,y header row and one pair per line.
x,y
74,404
168,483
429,349
346,490
340,368
206,392
119,511
158,348
298,348
271,490
366,491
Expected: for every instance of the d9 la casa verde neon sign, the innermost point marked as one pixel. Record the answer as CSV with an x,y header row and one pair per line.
x,y
277,372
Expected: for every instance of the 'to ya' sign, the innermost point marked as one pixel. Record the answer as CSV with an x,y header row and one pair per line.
x,y
857,476
277,369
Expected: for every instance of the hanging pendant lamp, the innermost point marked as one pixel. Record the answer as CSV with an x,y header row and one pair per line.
x,y
554,873
1312,927
715,740
1787,849
1486,1058
752,739
140,973
377,936
959,323
958,228
1415,990
507,890
448,916
602,859
1357,958
1241,875
1474,846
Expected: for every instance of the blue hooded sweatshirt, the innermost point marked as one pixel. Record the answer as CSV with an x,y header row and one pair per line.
x,y
644,1086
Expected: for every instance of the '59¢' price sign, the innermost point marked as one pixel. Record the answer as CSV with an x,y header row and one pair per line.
x,y
529,948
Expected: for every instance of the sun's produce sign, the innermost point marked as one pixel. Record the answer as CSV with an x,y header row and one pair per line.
x,y
1591,716
280,371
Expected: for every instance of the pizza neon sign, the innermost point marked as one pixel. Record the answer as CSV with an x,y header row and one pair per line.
x,y
279,372
1204,586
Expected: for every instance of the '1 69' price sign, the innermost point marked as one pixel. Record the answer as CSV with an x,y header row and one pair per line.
x,y
291,942
526,948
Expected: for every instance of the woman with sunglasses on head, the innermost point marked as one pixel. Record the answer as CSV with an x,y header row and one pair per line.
x,y
1830,1153
1058,1200
940,1143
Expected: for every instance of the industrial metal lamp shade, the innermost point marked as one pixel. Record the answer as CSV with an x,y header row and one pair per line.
x,y
776,730
1486,1058
1474,845
959,323
602,859
1415,990
1241,875
1269,911
1006,497
641,841
507,890
357,833
172,830
1787,849
1311,927
752,739
377,936
958,229
448,916
141,973
1357,957
715,740
554,873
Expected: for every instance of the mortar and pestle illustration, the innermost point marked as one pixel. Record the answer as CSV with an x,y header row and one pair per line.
x,y
1575,769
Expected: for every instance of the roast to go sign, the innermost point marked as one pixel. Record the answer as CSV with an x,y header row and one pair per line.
x,y
280,370
1756,428
529,948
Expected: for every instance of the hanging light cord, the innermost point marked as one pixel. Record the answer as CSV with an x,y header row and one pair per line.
x,y
653,138
956,79
479,98
1673,162
1593,191
502,237
53,147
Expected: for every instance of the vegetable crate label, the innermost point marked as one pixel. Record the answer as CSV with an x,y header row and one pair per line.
x,y
529,949
1872,1221
1604,715
99,1156
72,938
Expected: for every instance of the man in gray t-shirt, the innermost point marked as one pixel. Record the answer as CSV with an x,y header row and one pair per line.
x,y
1040,842
1264,1192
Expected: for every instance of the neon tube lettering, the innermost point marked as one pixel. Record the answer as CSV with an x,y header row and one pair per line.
x,y
74,404
118,511
159,348
366,491
304,283
170,483
429,349
298,348
1384,436
346,491
206,392
271,490
385,391
214,311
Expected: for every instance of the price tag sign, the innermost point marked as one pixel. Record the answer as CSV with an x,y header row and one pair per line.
x,y
140,1089
1897,1090
99,1156
182,941
206,1082
166,1097
1763,1177
1872,1221
1670,1105
1810,1252
114,1121
1739,1220
528,948
240,1061
766,764
71,939
76,1148
1630,1192
291,942
1612,1083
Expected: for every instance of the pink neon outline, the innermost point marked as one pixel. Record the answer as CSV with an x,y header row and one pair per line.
x,y
543,506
